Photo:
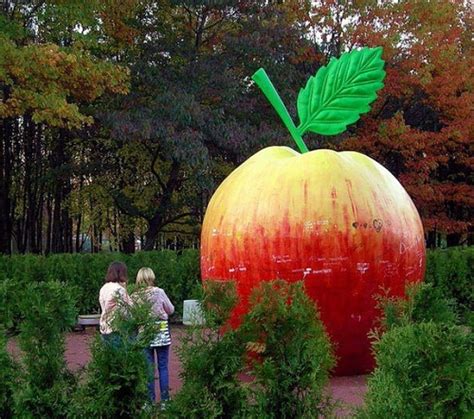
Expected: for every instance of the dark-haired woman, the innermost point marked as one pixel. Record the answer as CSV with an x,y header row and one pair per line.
x,y
113,295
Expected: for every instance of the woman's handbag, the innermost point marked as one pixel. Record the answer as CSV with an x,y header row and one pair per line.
x,y
163,337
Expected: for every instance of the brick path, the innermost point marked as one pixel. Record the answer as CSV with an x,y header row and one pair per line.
x,y
348,390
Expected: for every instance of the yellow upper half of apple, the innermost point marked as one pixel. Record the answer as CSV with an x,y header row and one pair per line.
x,y
317,182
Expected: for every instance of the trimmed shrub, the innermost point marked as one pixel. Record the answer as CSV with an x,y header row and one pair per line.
x,y
45,385
7,379
115,385
189,273
429,304
116,382
10,298
424,370
211,359
424,303
452,272
290,353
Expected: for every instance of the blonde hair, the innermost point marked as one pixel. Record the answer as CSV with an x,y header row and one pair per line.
x,y
146,276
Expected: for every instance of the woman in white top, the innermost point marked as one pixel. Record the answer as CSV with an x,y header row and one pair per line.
x,y
161,307
112,295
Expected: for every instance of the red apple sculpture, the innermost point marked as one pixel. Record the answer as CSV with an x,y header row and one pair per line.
x,y
338,221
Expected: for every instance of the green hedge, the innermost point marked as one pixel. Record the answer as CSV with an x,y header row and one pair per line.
x,y
177,273
44,386
450,271
424,370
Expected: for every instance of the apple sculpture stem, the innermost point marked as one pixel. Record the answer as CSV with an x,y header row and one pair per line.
x,y
338,221
263,81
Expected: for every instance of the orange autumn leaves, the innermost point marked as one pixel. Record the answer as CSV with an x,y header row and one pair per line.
x,y
422,125
50,83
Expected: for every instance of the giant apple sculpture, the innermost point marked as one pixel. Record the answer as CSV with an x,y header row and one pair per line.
x,y
338,221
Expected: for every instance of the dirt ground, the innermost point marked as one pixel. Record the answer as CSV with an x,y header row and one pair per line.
x,y
349,391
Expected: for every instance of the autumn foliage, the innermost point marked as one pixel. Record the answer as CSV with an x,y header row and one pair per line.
x,y
422,126
48,83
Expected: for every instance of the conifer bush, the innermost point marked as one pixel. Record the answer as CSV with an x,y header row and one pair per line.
x,y
10,297
115,381
281,347
424,370
452,272
211,359
423,303
425,366
8,371
45,386
290,353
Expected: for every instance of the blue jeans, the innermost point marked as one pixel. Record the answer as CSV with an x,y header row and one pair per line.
x,y
162,355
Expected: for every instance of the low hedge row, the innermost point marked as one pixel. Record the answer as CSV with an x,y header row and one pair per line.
x,y
177,273
451,271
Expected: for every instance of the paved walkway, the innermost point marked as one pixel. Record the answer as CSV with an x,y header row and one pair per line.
x,y
347,390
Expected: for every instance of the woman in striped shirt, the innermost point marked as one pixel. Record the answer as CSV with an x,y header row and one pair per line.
x,y
161,307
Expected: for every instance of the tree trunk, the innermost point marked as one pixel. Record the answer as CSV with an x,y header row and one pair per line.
x,y
96,239
126,228
154,227
5,182
127,243
156,223
62,222
49,228
453,239
78,233
39,225
30,186
431,241
57,234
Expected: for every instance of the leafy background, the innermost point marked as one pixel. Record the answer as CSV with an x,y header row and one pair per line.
x,y
118,119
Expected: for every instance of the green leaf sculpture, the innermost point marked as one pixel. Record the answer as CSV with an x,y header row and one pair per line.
x,y
339,93
335,97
